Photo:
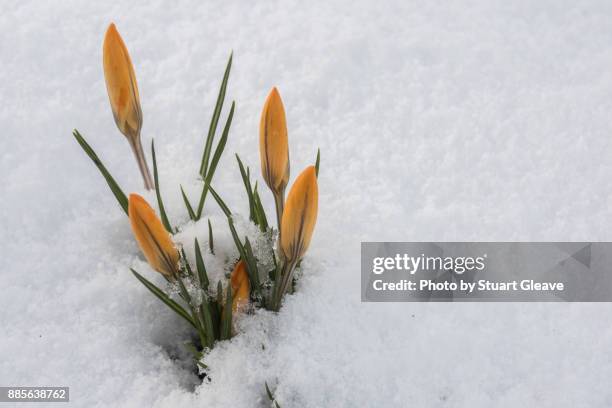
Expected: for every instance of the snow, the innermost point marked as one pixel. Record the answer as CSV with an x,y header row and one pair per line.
x,y
475,120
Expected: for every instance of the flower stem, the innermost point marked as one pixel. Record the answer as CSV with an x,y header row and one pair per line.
x,y
279,201
280,287
142,162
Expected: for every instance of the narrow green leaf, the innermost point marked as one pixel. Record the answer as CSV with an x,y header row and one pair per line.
x,y
226,325
222,142
219,296
317,162
278,282
215,119
211,244
237,241
112,184
194,312
270,396
215,314
215,160
277,273
247,187
178,309
202,276
252,264
208,324
188,205
260,213
219,201
160,203
187,266
205,307
184,292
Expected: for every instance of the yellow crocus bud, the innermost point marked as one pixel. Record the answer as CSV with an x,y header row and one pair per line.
x,y
121,84
300,215
273,144
241,287
123,95
152,237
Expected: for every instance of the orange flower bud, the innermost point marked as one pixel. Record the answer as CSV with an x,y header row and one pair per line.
x,y
121,84
123,95
241,287
300,215
152,237
273,143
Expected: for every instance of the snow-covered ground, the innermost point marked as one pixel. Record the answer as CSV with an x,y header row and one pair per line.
x,y
473,120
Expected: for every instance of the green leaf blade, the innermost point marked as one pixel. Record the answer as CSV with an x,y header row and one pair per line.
x,y
260,213
178,309
247,186
160,203
215,118
220,202
270,396
112,184
201,268
188,205
252,270
226,324
211,244
187,266
215,160
208,324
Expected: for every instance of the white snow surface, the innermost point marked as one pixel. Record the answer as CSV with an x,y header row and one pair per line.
x,y
471,120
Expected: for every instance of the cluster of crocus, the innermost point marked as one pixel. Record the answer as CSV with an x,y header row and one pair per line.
x,y
210,316
297,217
210,308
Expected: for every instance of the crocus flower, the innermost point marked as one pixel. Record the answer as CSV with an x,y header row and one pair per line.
x,y
300,215
152,237
241,286
121,84
123,95
273,144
